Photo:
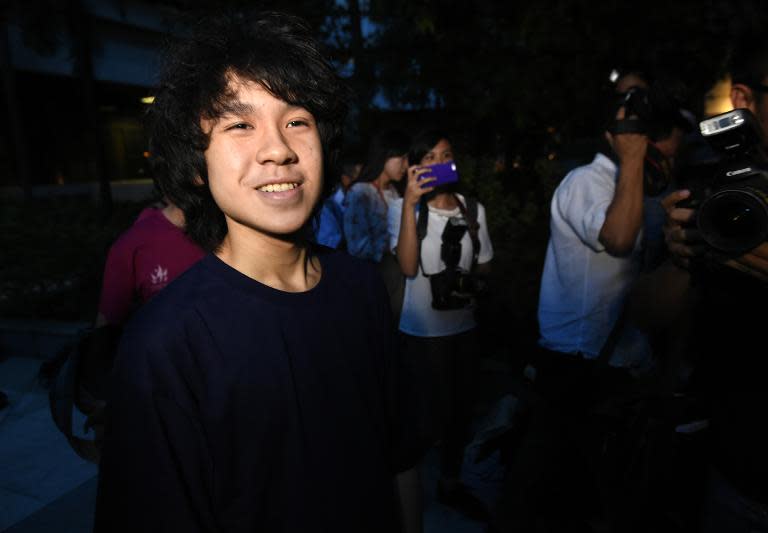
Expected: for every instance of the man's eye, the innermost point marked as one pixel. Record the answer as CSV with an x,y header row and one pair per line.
x,y
239,126
297,123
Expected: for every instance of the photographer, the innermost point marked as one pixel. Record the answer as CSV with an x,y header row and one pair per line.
x,y
437,321
594,252
588,354
729,295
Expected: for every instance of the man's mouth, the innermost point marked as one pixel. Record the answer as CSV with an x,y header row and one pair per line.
x,y
278,187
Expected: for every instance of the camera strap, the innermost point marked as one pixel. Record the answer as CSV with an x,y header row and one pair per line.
x,y
468,211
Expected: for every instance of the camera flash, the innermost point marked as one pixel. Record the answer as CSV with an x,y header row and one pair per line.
x,y
720,123
613,76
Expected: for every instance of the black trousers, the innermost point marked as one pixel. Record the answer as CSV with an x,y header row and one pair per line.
x,y
442,373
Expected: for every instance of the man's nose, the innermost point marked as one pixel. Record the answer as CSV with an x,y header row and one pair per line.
x,y
275,148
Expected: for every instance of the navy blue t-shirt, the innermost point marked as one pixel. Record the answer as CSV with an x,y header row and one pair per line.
x,y
238,407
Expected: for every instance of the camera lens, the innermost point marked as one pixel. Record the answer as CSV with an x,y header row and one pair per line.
x,y
734,221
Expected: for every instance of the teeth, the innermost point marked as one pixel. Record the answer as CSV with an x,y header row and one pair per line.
x,y
278,187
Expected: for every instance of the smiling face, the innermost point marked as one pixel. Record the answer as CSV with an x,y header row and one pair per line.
x,y
264,162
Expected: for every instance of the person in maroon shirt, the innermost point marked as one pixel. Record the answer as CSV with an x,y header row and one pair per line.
x,y
143,260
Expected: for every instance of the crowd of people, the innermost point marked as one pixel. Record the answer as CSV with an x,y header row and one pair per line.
x,y
239,400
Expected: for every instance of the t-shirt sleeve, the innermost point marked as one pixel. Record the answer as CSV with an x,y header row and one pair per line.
x,y
155,471
118,286
486,248
582,202
394,215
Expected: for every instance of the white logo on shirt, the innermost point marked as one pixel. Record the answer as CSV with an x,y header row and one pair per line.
x,y
159,275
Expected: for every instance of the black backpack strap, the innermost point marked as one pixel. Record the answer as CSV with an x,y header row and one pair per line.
x,y
421,228
469,212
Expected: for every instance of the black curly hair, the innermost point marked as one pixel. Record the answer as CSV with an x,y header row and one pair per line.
x,y
273,49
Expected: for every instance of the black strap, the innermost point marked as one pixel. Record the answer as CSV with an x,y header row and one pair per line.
x,y
469,212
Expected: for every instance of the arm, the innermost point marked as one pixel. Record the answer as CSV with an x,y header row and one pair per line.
x,y
407,250
624,216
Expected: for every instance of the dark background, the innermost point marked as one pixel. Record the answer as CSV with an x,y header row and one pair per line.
x,y
520,87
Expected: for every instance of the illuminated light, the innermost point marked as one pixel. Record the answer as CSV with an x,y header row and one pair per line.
x,y
613,76
551,157
145,154
148,100
551,129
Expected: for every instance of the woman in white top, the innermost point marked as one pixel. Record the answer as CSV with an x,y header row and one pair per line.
x,y
439,344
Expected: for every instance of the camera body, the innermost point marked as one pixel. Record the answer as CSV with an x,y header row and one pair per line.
x,y
731,195
453,287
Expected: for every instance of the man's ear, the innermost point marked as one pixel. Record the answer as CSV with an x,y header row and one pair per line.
x,y
742,97
199,181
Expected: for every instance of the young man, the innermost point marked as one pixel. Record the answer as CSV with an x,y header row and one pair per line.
x,y
238,403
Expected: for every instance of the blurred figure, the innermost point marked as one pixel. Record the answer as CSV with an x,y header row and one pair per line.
x,y
366,206
439,342
588,354
369,197
329,227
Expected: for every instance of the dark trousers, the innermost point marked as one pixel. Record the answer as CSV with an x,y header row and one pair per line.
x,y
550,483
442,373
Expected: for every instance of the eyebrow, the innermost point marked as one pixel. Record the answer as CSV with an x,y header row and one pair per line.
x,y
238,108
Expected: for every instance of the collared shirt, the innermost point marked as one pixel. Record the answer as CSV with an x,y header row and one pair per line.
x,y
583,286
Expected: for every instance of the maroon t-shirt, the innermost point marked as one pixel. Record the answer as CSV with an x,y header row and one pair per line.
x,y
143,260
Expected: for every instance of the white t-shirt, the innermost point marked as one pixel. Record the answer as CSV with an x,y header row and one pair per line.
x,y
418,318
583,287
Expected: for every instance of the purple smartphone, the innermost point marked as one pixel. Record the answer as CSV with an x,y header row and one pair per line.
x,y
443,173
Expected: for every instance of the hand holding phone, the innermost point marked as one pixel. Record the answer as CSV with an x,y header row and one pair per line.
x,y
443,173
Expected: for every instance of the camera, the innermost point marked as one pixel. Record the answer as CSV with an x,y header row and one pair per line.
x,y
652,112
453,287
731,195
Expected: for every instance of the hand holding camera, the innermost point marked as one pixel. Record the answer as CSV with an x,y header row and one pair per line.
x,y
629,147
725,213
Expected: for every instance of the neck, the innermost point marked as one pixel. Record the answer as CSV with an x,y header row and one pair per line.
x,y
276,261
174,215
382,182
444,200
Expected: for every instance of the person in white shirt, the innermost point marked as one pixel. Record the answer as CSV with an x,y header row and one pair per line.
x,y
439,344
